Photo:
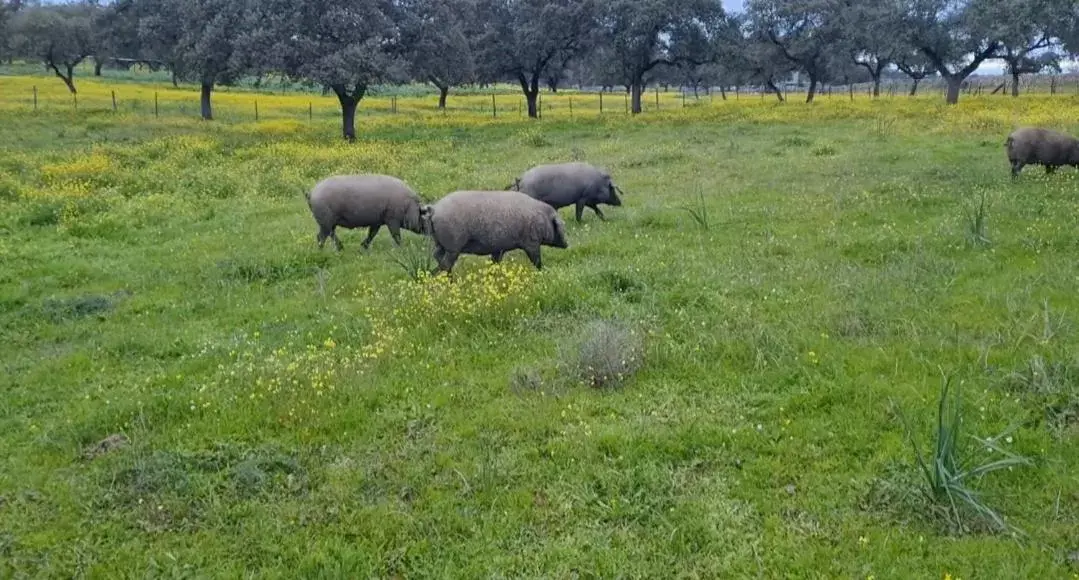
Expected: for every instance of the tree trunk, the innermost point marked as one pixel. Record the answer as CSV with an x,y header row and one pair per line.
x,y
97,67
723,92
531,91
1015,84
442,93
812,89
876,86
955,84
914,86
175,81
531,97
69,79
773,88
207,110
349,103
636,90
348,118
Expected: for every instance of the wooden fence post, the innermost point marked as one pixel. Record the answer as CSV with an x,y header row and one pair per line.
x,y
75,99
155,104
256,110
657,98
494,107
114,101
571,106
35,98
601,102
310,111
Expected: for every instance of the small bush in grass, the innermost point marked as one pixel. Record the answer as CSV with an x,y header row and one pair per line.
x,y
948,470
609,354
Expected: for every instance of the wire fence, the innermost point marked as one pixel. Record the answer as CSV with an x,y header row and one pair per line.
x,y
34,94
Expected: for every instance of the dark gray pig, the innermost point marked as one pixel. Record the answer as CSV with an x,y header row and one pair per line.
x,y
491,223
371,201
562,184
1035,146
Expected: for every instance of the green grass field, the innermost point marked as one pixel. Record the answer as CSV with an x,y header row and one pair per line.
x,y
797,279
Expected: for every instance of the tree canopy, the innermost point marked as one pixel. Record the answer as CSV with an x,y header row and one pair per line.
x,y
524,40
349,46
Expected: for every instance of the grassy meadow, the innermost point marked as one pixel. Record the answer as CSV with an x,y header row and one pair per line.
x,y
191,388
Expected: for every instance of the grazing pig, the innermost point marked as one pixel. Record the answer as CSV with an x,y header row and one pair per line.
x,y
576,183
1034,146
492,223
371,201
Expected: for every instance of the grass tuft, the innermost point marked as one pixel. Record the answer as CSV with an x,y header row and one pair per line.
x,y
526,380
947,471
532,137
609,354
698,211
883,127
60,309
977,220
415,259
1054,385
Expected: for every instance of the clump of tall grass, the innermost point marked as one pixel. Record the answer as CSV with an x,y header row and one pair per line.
x,y
609,354
1054,385
948,469
883,127
415,259
532,137
977,222
698,211
526,380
